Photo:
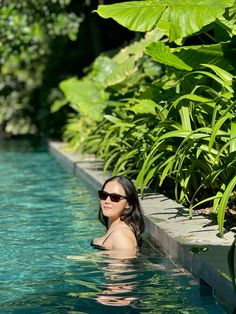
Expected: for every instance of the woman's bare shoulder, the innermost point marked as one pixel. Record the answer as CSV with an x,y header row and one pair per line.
x,y
123,238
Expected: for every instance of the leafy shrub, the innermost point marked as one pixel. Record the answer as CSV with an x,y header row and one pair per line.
x,y
162,110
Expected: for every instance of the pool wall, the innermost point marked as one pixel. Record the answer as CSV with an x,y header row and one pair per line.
x,y
194,244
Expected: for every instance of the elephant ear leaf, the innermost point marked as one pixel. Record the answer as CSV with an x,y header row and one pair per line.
x,y
177,19
189,16
141,16
162,54
85,97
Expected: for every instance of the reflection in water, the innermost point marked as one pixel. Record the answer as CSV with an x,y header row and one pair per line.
x,y
119,276
123,276
120,279
136,283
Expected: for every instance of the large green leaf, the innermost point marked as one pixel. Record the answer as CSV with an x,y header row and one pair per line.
x,y
189,16
177,19
195,55
121,71
139,16
102,67
111,71
85,97
162,53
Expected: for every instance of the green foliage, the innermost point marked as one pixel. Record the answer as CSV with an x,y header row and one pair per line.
x,y
97,93
162,53
26,26
26,31
177,20
165,103
85,97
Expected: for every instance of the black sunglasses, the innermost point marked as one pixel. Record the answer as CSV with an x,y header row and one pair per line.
x,y
113,196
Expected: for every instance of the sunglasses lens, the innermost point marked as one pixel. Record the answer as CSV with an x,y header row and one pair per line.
x,y
114,197
102,195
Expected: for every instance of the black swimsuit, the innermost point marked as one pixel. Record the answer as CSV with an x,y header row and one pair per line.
x,y
101,246
97,246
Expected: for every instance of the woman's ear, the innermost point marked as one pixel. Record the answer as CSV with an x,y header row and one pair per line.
x,y
127,206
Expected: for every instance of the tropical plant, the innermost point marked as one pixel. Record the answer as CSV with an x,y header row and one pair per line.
x,y
166,104
26,31
98,92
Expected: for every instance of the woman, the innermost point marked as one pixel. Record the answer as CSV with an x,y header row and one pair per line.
x,y
121,214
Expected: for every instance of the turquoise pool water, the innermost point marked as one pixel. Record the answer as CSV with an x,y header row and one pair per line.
x,y
47,220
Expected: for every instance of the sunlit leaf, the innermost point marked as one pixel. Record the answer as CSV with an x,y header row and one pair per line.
x,y
85,97
162,53
177,19
233,137
223,203
224,75
145,106
140,16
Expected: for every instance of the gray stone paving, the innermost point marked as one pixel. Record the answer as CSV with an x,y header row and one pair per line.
x,y
193,243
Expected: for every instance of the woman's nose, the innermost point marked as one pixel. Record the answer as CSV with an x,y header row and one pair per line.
x,y
108,199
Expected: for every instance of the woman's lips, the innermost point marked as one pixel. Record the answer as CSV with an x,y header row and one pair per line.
x,y
107,207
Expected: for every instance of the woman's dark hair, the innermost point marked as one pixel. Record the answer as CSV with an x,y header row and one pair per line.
x,y
133,215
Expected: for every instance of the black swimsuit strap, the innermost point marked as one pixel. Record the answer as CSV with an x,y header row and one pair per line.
x,y
97,246
101,246
113,232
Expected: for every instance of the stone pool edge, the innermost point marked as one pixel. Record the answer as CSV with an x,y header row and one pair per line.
x,y
169,228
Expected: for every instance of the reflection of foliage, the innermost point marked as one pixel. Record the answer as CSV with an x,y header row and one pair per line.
x,y
26,29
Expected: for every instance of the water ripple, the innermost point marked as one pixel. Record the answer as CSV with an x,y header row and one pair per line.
x,y
47,220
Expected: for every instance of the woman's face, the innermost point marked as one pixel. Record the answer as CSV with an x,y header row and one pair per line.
x,y
110,209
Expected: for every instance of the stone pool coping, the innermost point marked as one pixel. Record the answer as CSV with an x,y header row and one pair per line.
x,y
194,244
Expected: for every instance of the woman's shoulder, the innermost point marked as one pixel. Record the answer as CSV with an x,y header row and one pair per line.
x,y
123,238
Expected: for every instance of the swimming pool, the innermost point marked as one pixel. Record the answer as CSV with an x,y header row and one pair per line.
x,y
48,218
